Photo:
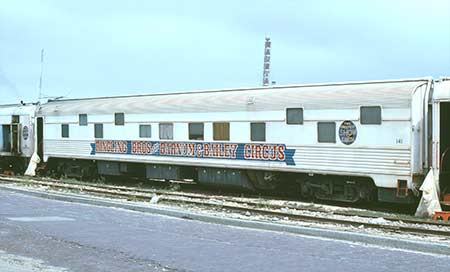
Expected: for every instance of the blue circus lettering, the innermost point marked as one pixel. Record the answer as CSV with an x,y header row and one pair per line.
x,y
234,151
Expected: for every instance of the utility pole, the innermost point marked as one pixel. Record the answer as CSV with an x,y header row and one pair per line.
x,y
266,67
42,69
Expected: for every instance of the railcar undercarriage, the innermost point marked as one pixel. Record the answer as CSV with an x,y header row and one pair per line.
x,y
321,187
13,164
337,188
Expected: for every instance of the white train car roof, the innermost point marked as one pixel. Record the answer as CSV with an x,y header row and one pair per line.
x,y
388,94
442,90
17,109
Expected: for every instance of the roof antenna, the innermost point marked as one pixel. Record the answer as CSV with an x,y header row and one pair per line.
x,y
40,79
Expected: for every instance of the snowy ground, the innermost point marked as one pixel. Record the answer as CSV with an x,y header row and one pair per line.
x,y
15,263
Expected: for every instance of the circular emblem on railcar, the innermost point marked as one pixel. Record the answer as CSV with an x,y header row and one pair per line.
x,y
347,132
25,133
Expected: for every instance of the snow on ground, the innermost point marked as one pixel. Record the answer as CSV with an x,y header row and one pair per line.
x,y
229,213
14,263
329,226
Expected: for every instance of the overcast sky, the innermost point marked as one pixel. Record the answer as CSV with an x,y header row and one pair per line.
x,y
101,48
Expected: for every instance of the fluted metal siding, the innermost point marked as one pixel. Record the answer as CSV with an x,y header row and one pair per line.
x,y
307,158
365,160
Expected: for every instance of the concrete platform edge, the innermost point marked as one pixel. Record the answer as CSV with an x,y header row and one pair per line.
x,y
404,244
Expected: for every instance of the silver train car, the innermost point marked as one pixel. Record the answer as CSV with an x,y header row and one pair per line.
x,y
17,136
348,141
339,141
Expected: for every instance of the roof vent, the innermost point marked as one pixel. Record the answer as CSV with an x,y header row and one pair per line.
x,y
251,100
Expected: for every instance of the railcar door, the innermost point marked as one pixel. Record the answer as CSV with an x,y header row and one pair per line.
x,y
6,138
15,138
444,147
40,137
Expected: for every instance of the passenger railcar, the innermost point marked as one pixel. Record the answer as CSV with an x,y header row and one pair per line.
x,y
341,141
17,141
439,140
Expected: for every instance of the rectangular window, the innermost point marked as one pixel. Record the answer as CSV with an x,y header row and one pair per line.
x,y
98,131
82,119
258,132
294,116
221,131
326,132
119,118
65,130
166,131
15,119
145,131
370,115
195,131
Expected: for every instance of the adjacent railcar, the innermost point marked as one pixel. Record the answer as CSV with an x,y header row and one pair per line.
x,y
17,141
341,141
440,141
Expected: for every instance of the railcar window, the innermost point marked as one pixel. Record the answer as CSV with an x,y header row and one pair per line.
x,y
98,130
82,120
15,119
166,131
294,116
196,131
65,131
119,118
258,132
145,131
370,115
221,131
326,132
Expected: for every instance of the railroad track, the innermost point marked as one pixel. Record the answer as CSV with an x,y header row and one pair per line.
x,y
254,206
